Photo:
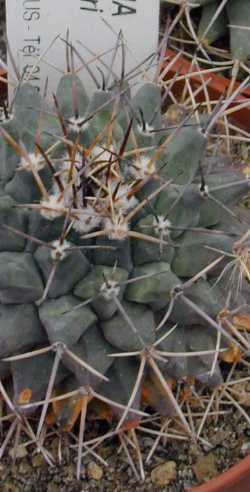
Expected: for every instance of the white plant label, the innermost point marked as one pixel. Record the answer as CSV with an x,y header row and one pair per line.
x,y
37,30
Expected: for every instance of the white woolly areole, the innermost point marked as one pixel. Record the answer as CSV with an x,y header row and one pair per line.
x,y
117,227
64,169
122,202
59,251
52,207
32,161
75,124
161,225
68,196
143,167
110,289
203,191
147,130
87,220
4,118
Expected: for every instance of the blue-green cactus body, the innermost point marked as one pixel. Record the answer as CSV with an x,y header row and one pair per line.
x,y
104,219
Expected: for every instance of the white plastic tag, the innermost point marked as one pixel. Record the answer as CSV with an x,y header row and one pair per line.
x,y
37,30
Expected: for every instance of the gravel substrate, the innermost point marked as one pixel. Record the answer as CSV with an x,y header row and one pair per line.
x,y
176,466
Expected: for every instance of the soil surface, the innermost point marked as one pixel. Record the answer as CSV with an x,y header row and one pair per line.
x,y
176,466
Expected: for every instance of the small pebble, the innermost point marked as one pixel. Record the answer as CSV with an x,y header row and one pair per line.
x,y
148,442
53,488
94,471
21,452
194,450
205,468
164,474
38,460
25,468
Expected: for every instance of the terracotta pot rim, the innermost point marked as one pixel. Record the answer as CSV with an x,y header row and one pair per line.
x,y
229,478
216,78
217,85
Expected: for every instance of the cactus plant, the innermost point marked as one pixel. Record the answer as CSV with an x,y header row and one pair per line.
x,y
217,21
214,21
116,247
220,17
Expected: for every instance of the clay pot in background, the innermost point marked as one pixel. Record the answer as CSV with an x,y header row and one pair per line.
x,y
217,87
236,479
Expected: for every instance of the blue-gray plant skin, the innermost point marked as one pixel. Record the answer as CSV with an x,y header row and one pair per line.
x,y
218,19
113,231
233,19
